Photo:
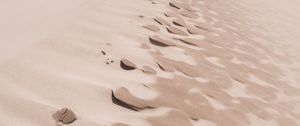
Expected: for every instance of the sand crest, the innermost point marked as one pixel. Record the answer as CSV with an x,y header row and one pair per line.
x,y
149,63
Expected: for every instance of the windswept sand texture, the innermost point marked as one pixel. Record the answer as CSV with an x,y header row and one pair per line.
x,y
148,63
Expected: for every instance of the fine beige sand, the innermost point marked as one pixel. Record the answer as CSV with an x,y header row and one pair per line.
x,y
149,63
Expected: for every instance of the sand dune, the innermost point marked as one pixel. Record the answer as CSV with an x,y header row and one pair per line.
x,y
149,63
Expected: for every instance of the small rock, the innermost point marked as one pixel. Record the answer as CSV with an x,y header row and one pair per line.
x,y
141,16
103,53
127,65
65,116
109,44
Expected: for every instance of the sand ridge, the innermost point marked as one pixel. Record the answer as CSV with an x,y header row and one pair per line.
x,y
222,44
151,63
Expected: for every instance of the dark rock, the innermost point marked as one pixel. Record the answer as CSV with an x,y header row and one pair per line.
x,y
103,53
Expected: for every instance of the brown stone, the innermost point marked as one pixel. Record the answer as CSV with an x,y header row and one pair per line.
x,y
65,116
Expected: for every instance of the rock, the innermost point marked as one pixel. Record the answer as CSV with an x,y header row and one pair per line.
x,y
65,116
103,53
141,16
127,65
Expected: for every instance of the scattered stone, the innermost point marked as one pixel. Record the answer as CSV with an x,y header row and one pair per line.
x,y
127,65
141,16
103,53
109,44
65,116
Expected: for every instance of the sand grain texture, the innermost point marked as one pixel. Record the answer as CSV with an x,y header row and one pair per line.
x,y
180,63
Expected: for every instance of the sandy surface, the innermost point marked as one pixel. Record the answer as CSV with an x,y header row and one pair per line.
x,y
150,62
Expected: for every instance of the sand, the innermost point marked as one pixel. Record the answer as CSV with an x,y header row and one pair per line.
x,y
149,63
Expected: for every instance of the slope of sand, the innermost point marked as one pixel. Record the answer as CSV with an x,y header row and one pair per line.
x,y
189,62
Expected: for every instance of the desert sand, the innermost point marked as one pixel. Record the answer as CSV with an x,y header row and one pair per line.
x,y
149,63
